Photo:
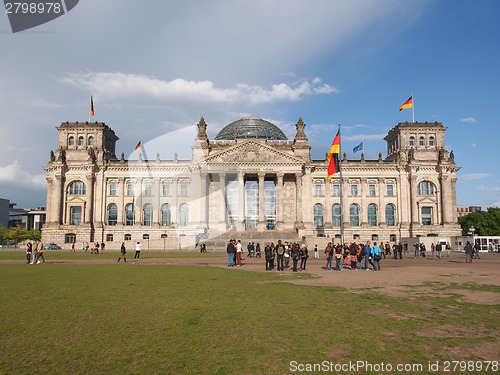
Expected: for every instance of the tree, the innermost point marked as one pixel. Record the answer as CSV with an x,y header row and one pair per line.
x,y
34,234
17,234
485,223
3,232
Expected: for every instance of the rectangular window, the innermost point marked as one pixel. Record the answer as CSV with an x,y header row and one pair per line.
x,y
76,215
336,190
130,189
318,190
427,215
145,236
148,190
354,190
109,238
371,190
112,189
374,237
70,238
356,237
390,190
166,189
128,237
184,190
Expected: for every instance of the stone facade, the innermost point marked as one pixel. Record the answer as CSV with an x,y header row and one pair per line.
x,y
250,185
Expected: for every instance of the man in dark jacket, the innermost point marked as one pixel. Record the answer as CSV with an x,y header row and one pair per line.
x,y
231,250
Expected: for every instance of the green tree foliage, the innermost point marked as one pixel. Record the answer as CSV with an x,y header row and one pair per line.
x,y
486,223
34,234
17,234
3,232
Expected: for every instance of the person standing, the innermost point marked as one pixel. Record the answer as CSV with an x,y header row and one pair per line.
x,y
295,254
468,252
73,248
97,247
422,250
400,250
268,253
138,248
338,257
287,255
433,249
377,256
448,249
280,252
231,249
417,250
257,250
123,251
316,255
368,256
405,248
439,248
102,247
239,251
303,257
329,256
29,250
477,247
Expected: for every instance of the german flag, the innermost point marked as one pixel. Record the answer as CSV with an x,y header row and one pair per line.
x,y
333,156
91,107
407,104
138,147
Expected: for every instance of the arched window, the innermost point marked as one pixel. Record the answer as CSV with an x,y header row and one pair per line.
x,y
148,214
81,141
421,141
129,214
91,141
354,215
336,215
112,214
372,215
318,215
431,141
183,215
165,214
425,188
412,141
389,215
77,188
71,141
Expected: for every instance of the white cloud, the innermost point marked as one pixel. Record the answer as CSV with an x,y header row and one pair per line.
x,y
473,177
473,145
468,119
122,85
13,174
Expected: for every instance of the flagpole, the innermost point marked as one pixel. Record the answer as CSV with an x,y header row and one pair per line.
x,y
413,107
341,196
90,107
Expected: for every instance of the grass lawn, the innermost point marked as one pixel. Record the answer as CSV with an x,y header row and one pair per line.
x,y
118,319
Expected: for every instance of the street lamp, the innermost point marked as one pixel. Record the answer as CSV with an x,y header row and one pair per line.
x,y
471,231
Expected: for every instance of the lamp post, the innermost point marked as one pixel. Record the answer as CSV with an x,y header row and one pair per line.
x,y
471,231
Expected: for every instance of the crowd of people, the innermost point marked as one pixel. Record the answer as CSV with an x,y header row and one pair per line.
x,y
34,252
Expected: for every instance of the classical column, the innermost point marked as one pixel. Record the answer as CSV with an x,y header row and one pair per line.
x,y
328,204
121,201
363,210
413,200
156,201
49,214
346,213
138,201
174,210
241,200
58,200
222,203
262,223
89,209
298,182
203,201
279,201
381,201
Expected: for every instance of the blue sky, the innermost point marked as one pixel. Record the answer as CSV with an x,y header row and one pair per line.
x,y
156,67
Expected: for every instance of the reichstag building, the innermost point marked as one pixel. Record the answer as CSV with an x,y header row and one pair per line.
x,y
249,182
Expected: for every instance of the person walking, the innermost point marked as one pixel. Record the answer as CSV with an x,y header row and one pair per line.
x,y
405,248
231,249
257,250
477,247
316,255
102,247
295,255
448,249
377,256
72,248
123,251
40,253
368,256
400,250
138,247
97,247
439,248
239,250
469,251
422,250
268,253
29,251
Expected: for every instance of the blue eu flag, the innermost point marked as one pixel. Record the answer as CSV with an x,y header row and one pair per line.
x,y
358,148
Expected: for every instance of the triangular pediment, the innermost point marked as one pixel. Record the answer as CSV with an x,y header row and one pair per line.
x,y
76,200
251,153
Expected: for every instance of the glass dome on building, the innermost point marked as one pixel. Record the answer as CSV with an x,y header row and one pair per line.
x,y
251,127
